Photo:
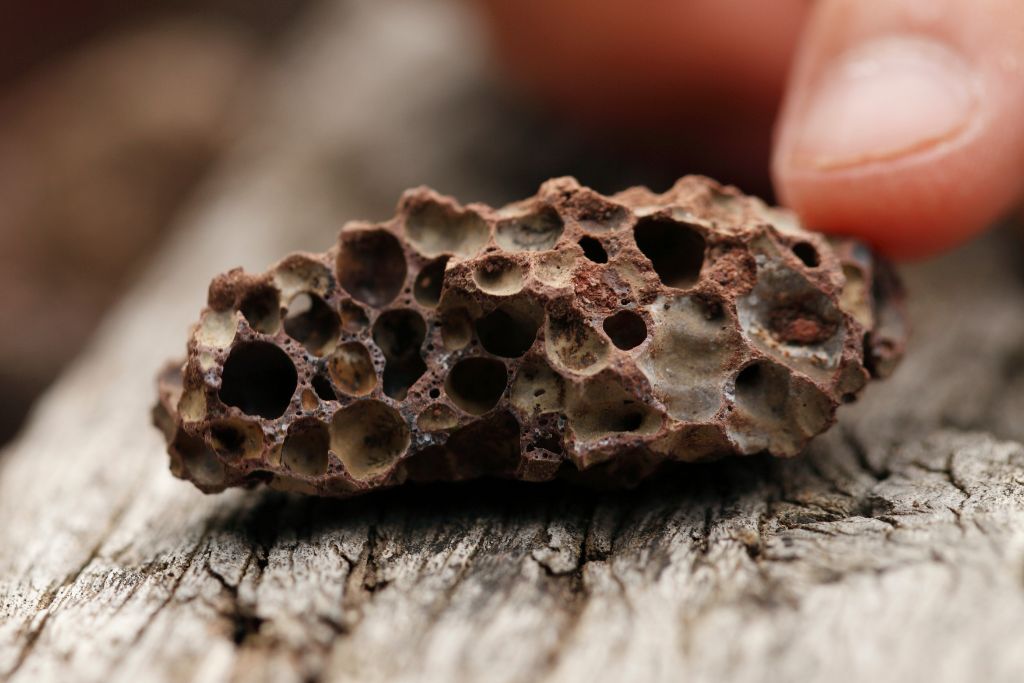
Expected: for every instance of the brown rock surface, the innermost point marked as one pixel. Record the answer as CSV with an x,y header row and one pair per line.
x,y
569,334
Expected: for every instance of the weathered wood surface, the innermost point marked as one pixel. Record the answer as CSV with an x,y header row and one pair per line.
x,y
894,550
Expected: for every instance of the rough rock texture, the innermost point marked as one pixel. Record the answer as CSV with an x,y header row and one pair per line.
x,y
567,334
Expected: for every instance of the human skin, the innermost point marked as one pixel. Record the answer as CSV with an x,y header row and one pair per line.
x,y
898,121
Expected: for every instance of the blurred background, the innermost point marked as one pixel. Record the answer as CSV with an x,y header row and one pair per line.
x,y
116,119
111,113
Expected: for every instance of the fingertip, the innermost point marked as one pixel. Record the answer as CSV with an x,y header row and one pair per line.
x,y
903,133
909,212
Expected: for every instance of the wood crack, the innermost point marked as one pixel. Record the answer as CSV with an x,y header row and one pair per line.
x,y
50,595
189,561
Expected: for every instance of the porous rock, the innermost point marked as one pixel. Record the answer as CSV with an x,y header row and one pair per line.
x,y
567,335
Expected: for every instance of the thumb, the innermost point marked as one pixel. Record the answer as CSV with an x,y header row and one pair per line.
x,y
904,120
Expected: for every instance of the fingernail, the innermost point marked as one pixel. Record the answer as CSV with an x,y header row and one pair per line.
x,y
885,99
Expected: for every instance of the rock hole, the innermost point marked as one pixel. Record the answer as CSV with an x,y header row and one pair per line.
x,y
776,411
537,389
262,308
217,329
806,252
371,266
399,334
312,323
227,439
626,329
687,357
499,276
192,405
368,437
571,343
675,250
353,317
456,329
322,387
476,384
593,250
437,417
429,282
351,369
555,268
309,401
806,321
435,229
712,309
235,439
762,388
789,318
258,379
534,232
299,273
604,406
629,421
550,443
434,393
507,332
199,459
305,449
